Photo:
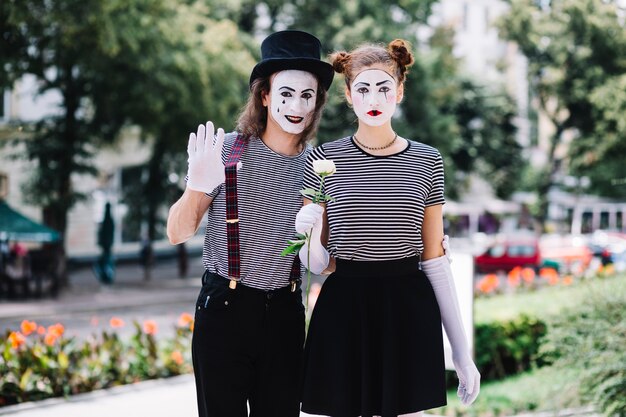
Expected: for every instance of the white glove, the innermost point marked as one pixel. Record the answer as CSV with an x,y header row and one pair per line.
x,y
206,169
310,220
440,276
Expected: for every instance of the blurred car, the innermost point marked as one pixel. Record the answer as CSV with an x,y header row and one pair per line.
x,y
508,253
569,253
608,246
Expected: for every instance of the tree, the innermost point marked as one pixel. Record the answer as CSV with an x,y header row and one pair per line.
x,y
114,63
471,125
575,50
202,75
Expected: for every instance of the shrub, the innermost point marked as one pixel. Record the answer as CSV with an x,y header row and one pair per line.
x,y
37,363
507,348
592,338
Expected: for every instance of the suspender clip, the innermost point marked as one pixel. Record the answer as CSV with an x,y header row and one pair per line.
x,y
293,286
232,221
233,284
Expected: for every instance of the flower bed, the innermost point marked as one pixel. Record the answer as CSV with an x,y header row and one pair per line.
x,y
39,362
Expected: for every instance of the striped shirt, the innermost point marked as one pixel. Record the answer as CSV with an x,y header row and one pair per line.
x,y
380,200
268,186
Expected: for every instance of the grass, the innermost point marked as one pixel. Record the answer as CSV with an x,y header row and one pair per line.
x,y
542,303
542,389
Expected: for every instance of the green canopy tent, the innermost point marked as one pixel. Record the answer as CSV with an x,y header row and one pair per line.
x,y
15,226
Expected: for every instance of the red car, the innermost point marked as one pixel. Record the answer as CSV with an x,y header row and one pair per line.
x,y
507,254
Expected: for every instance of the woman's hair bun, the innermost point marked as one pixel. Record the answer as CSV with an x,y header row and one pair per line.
x,y
400,51
339,61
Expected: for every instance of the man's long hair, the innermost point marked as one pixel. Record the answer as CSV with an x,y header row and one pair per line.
x,y
252,120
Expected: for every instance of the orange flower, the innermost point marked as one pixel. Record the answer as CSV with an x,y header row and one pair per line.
x,y
177,357
28,327
514,276
150,327
568,279
56,329
41,330
553,280
116,322
548,273
609,269
185,320
528,275
489,283
50,338
191,325
17,339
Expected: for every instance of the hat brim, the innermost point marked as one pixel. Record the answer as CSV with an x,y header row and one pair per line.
x,y
323,70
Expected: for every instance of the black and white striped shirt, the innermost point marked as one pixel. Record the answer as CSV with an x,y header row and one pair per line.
x,y
380,200
268,186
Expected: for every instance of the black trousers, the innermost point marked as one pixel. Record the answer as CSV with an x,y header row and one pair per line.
x,y
247,347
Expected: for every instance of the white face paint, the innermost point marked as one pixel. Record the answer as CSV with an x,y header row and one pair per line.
x,y
373,94
292,99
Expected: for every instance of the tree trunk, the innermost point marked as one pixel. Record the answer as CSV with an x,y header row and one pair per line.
x,y
155,190
548,178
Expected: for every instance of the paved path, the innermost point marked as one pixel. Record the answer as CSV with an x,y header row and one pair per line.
x,y
172,397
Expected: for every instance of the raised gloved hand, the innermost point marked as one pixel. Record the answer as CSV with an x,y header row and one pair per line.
x,y
205,167
440,276
310,220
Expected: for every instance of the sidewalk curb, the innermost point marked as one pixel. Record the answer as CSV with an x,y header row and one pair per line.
x,y
123,300
97,394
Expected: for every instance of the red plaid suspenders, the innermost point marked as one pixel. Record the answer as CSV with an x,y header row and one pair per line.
x,y
232,219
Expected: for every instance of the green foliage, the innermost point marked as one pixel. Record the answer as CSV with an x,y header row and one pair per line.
x,y
592,337
46,366
544,304
470,124
160,65
544,389
575,50
508,348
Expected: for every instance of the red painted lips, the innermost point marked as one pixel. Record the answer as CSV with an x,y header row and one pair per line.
x,y
294,119
374,113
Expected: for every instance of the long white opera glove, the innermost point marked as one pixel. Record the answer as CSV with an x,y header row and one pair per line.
x,y
205,167
440,276
310,219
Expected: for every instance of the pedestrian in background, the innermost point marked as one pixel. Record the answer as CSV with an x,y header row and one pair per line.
x,y
105,265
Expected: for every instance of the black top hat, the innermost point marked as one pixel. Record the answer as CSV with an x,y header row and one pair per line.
x,y
292,50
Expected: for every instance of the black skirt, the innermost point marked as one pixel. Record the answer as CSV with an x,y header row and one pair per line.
x,y
374,345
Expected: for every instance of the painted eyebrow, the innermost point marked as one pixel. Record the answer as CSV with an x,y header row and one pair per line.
x,y
383,82
362,82
288,88
308,89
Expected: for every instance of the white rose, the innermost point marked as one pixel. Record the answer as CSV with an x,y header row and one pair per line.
x,y
324,167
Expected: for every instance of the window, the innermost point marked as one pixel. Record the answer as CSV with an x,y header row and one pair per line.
x,y
497,251
521,250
